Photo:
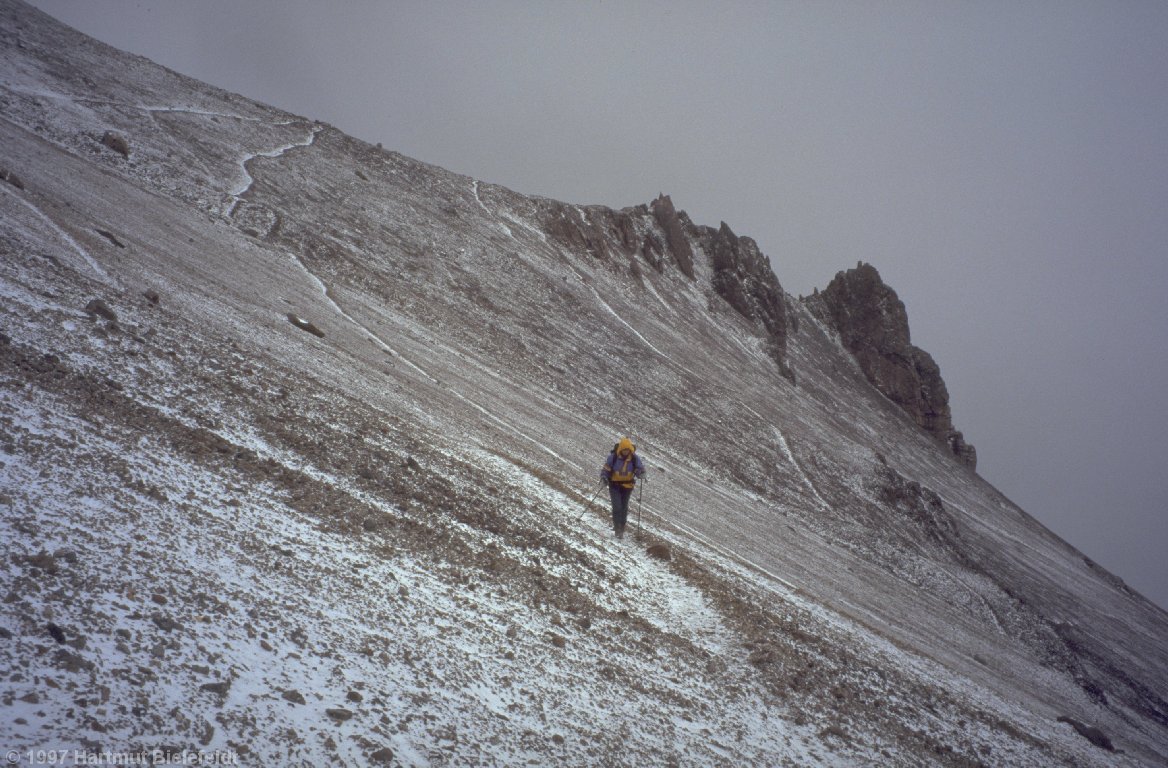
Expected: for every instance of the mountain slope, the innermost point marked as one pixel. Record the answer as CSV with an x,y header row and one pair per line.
x,y
299,435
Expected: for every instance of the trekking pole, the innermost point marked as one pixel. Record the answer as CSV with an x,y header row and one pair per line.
x,y
640,490
588,505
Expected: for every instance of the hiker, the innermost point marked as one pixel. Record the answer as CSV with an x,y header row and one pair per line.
x,y
621,471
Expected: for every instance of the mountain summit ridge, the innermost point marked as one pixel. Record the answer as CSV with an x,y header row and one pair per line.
x,y
299,441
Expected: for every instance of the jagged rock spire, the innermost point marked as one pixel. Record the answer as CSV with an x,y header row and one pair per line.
x,y
873,326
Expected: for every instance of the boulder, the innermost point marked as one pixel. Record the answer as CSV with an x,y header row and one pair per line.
x,y
98,308
11,178
116,142
1090,733
304,325
659,550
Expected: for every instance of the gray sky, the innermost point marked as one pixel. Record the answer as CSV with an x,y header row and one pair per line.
x,y
1004,164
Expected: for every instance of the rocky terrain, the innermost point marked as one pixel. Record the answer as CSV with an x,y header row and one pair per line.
x,y
299,441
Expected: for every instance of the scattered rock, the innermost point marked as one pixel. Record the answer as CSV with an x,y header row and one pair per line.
x,y
355,697
152,297
558,641
43,562
165,623
304,325
762,655
117,143
383,756
71,662
339,714
834,731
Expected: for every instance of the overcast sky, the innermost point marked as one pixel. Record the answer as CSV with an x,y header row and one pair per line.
x,y
1003,164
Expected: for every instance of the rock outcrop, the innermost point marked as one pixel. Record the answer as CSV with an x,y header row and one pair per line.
x,y
671,222
660,234
744,278
873,325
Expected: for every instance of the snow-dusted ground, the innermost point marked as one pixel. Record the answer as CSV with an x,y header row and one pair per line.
x,y
229,535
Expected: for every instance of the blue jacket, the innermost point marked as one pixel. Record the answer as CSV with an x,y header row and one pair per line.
x,y
622,472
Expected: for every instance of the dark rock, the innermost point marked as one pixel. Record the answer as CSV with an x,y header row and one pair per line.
x,y
873,325
922,505
383,756
206,734
152,297
67,555
558,641
1090,733
304,325
339,715
57,633
577,230
165,623
659,550
355,697
293,696
111,237
71,662
11,178
43,562
219,689
117,143
99,308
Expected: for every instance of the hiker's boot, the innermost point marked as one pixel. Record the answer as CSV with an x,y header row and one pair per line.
x,y
620,531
